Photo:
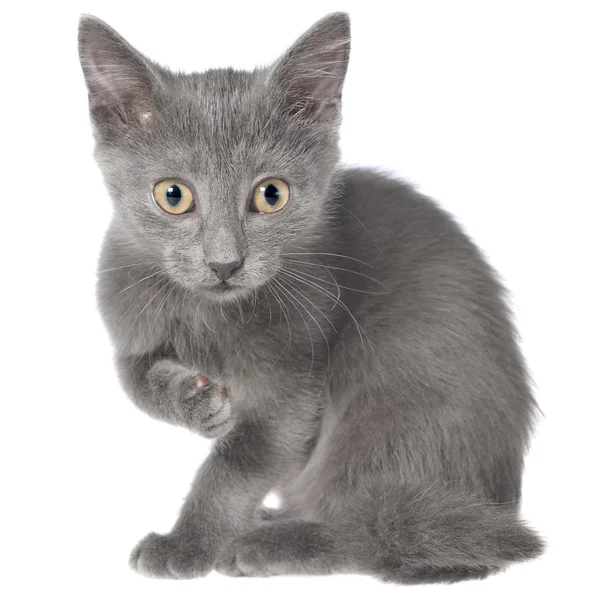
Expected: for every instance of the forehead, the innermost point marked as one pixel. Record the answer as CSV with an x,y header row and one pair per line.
x,y
220,114
223,126
220,98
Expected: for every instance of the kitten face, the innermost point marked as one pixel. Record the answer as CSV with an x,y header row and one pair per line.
x,y
221,134
221,157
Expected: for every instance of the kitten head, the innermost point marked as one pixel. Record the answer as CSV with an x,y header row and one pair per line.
x,y
214,175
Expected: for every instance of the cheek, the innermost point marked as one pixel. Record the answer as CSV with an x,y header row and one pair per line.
x,y
261,262
187,259
266,233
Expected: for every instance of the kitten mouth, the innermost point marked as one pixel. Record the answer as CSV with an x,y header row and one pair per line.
x,y
227,292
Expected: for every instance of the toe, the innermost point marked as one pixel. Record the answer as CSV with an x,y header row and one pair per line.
x,y
149,556
168,557
227,564
244,557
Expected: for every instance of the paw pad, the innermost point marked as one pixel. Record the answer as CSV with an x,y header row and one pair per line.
x,y
202,381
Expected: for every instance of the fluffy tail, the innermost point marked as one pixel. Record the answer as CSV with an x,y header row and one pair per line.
x,y
436,533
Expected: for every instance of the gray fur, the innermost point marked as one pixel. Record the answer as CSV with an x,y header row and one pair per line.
x,y
363,364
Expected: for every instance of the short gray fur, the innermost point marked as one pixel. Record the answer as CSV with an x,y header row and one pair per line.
x,y
363,364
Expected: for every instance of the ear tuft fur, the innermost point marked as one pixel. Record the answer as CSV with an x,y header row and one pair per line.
x,y
120,80
311,73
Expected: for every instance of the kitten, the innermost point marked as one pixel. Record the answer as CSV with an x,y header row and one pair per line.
x,y
335,332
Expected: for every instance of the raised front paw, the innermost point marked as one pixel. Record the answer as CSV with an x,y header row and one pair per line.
x,y
200,404
170,557
206,407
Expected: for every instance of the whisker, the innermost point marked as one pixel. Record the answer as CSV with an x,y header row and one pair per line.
x,y
339,291
325,291
283,312
117,268
287,275
338,285
301,262
270,313
365,227
112,243
162,304
325,254
240,310
162,287
134,302
159,272
254,303
293,299
223,314
206,324
320,329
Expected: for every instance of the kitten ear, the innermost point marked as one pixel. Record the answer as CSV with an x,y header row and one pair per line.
x,y
119,79
311,73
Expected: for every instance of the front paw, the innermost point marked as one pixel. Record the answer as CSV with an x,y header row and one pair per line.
x,y
197,403
205,407
243,557
170,557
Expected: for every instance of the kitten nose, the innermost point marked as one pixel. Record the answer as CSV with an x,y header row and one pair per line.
x,y
225,270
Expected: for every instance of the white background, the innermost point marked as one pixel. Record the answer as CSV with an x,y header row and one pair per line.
x,y
491,107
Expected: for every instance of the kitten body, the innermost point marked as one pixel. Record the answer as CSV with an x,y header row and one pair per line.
x,y
362,362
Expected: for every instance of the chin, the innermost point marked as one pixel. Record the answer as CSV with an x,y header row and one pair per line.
x,y
227,294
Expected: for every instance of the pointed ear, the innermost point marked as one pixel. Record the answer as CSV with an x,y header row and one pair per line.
x,y
311,73
120,80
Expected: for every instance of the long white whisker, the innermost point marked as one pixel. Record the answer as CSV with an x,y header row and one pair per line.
x,y
254,303
325,254
320,329
117,268
223,314
136,299
162,304
287,274
301,262
293,299
338,285
162,287
207,325
365,227
270,313
339,291
359,328
159,272
240,310
283,312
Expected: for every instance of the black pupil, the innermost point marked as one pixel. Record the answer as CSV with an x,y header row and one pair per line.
x,y
272,194
174,195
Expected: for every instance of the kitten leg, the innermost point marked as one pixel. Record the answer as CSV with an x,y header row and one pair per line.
x,y
283,548
401,534
222,504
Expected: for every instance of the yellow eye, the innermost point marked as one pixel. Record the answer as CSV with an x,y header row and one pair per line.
x,y
173,196
270,196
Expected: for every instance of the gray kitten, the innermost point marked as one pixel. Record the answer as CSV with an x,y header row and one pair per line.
x,y
335,332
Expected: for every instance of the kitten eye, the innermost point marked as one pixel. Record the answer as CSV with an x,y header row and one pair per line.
x,y
173,196
270,196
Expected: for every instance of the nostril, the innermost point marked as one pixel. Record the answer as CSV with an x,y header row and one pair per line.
x,y
237,266
225,270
